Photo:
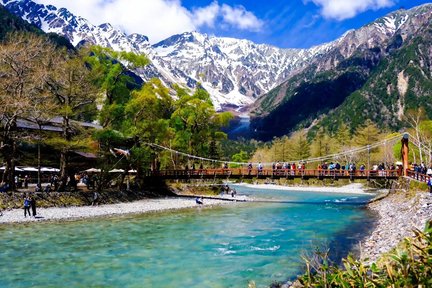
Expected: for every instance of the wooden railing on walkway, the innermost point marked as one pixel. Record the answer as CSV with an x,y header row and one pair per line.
x,y
418,176
275,174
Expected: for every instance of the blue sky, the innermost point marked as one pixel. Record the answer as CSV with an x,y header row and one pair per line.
x,y
285,24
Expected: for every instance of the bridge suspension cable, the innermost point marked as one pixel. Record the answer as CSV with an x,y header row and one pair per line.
x,y
307,160
420,145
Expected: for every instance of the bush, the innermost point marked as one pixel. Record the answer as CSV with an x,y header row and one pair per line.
x,y
409,265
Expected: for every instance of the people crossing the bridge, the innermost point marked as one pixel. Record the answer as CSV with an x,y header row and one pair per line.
x,y
352,163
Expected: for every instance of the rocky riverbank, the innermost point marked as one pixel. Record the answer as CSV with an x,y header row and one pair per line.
x,y
399,214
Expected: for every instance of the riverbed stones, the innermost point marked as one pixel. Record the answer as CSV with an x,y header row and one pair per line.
x,y
399,214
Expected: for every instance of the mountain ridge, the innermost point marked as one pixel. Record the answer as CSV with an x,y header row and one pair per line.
x,y
366,60
235,78
239,73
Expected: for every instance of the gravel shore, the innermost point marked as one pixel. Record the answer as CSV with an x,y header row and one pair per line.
x,y
142,206
399,214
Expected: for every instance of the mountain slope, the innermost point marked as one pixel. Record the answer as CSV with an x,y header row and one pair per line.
x,y
339,80
11,23
234,71
402,81
302,87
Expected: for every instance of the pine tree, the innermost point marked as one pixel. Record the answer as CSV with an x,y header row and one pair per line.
x,y
366,134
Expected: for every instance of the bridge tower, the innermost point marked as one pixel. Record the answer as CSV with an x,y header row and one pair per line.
x,y
404,153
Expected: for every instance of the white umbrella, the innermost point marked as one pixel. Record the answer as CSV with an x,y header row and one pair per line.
x,y
29,169
16,169
48,169
93,170
116,171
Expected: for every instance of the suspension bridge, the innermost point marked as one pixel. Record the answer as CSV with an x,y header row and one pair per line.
x,y
245,171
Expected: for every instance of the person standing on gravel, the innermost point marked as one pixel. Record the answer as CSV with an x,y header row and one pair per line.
x,y
26,206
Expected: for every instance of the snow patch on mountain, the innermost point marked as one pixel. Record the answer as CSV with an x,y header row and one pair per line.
x,y
234,71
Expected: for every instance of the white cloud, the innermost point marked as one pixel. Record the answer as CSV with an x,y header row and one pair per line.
x,y
206,15
345,9
241,18
158,19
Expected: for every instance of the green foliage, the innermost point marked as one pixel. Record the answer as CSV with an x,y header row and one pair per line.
x,y
366,134
241,157
300,149
114,79
196,123
108,137
304,101
231,147
407,266
323,144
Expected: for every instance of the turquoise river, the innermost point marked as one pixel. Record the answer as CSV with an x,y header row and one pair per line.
x,y
226,246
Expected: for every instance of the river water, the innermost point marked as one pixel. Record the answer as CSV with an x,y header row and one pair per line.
x,y
226,246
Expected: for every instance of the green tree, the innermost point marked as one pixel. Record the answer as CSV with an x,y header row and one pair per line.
x,y
147,121
366,135
343,136
241,157
280,147
300,148
196,123
112,68
323,144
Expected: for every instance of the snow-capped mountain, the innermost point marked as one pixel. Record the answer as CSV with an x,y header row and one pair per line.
x,y
234,71
232,67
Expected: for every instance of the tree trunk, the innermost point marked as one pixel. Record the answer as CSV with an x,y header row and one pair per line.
x,y
63,170
39,164
64,151
9,151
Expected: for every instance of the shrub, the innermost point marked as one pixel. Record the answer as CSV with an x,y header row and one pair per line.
x,y
408,265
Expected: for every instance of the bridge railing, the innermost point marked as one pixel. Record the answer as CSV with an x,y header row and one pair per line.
x,y
275,172
418,176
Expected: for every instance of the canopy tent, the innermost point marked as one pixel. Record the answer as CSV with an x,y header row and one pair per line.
x,y
16,169
116,171
132,171
29,169
93,170
48,169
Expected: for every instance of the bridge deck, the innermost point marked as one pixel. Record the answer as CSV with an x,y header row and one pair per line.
x,y
239,173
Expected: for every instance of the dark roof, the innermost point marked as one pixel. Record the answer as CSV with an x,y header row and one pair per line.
x,y
53,126
86,154
26,124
